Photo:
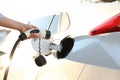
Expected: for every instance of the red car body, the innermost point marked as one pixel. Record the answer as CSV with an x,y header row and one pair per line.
x,y
110,25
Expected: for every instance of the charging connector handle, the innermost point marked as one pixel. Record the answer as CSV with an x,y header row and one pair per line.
x,y
41,34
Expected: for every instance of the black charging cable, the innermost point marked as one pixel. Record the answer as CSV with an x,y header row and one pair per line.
x,y
21,38
10,58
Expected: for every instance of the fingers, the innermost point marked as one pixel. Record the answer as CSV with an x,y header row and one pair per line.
x,y
27,27
33,35
30,27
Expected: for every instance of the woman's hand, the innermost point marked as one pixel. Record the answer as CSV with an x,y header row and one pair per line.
x,y
27,27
